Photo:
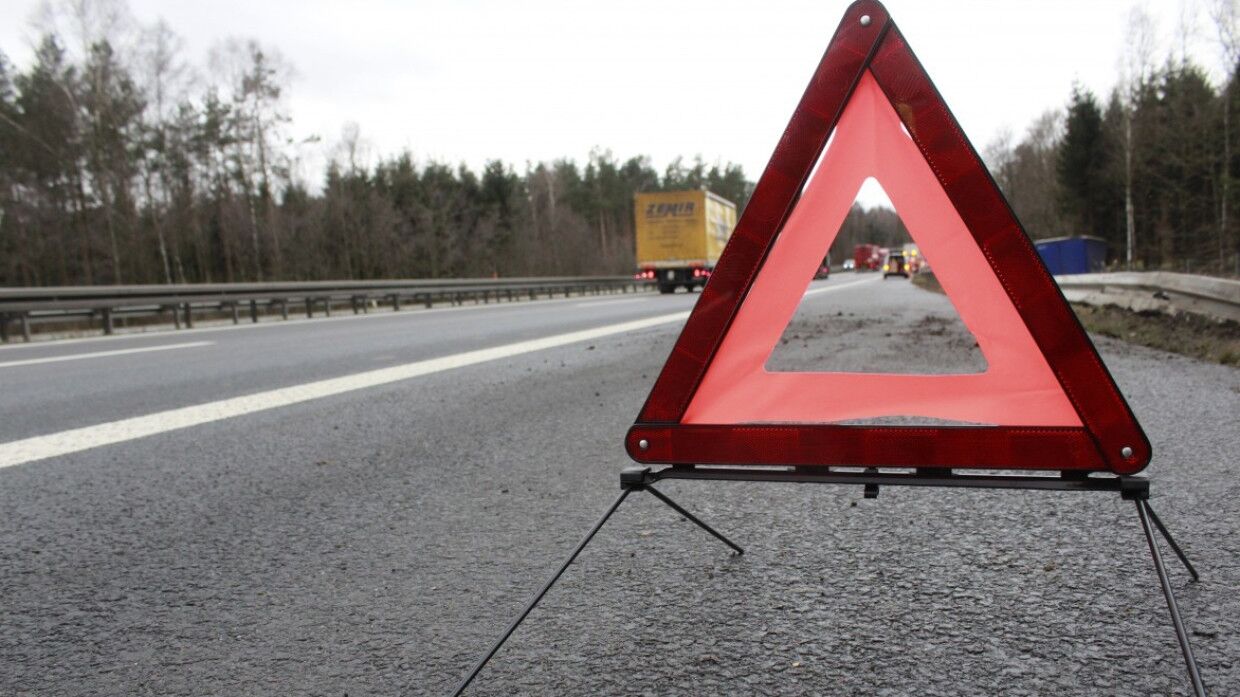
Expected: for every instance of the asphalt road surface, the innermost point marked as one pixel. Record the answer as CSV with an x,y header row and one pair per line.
x,y
359,507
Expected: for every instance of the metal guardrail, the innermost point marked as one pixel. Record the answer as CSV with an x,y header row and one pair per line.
x,y
1161,291
24,306
1153,290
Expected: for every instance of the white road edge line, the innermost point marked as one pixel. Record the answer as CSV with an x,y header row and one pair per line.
x,y
617,301
65,442
842,286
101,354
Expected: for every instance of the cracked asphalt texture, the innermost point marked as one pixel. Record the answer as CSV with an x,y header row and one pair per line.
x,y
377,542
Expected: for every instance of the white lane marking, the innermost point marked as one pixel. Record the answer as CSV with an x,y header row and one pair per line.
x,y
594,303
101,354
842,286
815,291
65,442
295,320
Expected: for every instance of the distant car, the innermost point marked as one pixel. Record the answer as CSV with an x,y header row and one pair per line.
x,y
850,265
824,269
895,266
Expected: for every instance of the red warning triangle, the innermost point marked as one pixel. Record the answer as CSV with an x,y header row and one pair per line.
x,y
1045,401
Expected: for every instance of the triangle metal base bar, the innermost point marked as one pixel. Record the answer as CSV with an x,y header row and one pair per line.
x,y
1130,488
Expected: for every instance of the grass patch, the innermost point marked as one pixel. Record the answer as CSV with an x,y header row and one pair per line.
x,y
927,281
1185,333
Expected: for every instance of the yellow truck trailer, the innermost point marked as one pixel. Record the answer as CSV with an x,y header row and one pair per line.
x,y
680,235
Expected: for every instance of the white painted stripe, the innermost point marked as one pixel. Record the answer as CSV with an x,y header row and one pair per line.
x,y
78,439
842,286
101,354
594,303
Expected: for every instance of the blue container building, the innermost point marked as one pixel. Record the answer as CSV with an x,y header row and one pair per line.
x,y
1068,255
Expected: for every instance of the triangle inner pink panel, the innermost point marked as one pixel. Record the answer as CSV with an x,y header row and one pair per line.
x,y
1017,389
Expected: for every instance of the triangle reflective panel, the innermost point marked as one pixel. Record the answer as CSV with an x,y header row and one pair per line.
x,y
1045,400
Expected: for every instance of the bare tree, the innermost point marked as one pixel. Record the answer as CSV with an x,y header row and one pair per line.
x,y
85,23
352,148
165,78
1136,66
256,77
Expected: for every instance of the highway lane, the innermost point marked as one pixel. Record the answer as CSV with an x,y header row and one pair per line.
x,y
48,397
374,541
101,386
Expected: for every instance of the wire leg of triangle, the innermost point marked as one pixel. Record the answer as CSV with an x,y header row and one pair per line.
x,y
1146,514
628,484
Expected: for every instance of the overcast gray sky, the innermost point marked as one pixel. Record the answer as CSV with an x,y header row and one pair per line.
x,y
541,79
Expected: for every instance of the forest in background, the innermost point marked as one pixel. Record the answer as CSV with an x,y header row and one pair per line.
x,y
121,162
126,164
1151,166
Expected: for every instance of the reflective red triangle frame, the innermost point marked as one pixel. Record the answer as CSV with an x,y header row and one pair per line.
x,y
1111,439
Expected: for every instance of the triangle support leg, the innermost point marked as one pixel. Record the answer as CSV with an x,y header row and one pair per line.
x,y
1192,570
641,478
1145,513
692,518
631,479
534,601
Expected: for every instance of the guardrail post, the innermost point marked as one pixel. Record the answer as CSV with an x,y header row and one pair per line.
x,y
327,306
4,328
189,316
353,302
395,302
107,321
25,319
235,313
429,301
176,316
254,311
309,308
283,308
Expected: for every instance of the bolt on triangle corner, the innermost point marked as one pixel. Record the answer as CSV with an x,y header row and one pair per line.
x,y
1047,399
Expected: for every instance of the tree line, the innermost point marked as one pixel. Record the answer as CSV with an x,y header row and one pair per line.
x,y
1151,167
117,166
121,163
